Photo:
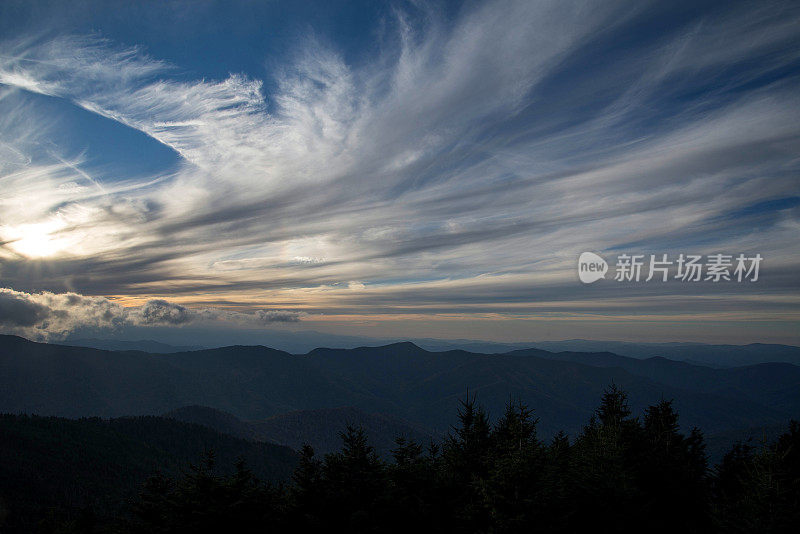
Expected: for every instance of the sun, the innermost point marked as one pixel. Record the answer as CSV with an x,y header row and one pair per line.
x,y
36,240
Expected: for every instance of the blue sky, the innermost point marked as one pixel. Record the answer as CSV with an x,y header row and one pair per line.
x,y
396,169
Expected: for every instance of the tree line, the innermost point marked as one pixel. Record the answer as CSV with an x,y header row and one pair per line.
x,y
620,474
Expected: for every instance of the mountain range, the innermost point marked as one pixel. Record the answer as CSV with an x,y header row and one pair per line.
x,y
301,342
401,387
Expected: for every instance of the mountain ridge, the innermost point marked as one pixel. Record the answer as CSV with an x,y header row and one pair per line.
x,y
710,354
400,380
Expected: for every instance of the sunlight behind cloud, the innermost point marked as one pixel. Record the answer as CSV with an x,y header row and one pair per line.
x,y
37,240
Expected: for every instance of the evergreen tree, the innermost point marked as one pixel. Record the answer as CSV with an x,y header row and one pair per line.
x,y
204,501
512,490
759,490
415,495
602,473
620,475
672,473
466,464
354,483
557,486
306,492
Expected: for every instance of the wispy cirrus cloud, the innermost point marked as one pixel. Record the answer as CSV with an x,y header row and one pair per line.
x,y
483,153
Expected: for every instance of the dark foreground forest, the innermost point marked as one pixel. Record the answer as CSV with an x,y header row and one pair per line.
x,y
620,474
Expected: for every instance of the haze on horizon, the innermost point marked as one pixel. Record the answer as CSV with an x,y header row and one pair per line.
x,y
396,169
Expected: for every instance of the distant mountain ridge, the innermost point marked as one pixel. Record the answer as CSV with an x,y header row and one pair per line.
x,y
320,428
400,381
713,355
698,353
144,345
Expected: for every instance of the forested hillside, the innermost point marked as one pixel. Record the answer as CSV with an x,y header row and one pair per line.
x,y
320,428
619,474
58,467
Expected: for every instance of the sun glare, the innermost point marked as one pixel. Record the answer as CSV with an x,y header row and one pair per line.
x,y
37,240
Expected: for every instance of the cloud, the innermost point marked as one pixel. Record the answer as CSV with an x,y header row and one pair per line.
x,y
53,316
278,316
163,312
481,152
16,311
45,315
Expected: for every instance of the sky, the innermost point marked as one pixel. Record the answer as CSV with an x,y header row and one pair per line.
x,y
397,169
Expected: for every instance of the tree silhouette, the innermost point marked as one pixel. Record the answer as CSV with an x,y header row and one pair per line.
x,y
620,474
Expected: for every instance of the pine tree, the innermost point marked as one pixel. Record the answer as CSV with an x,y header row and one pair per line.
x,y
759,489
512,489
414,491
602,470
354,481
672,473
466,464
